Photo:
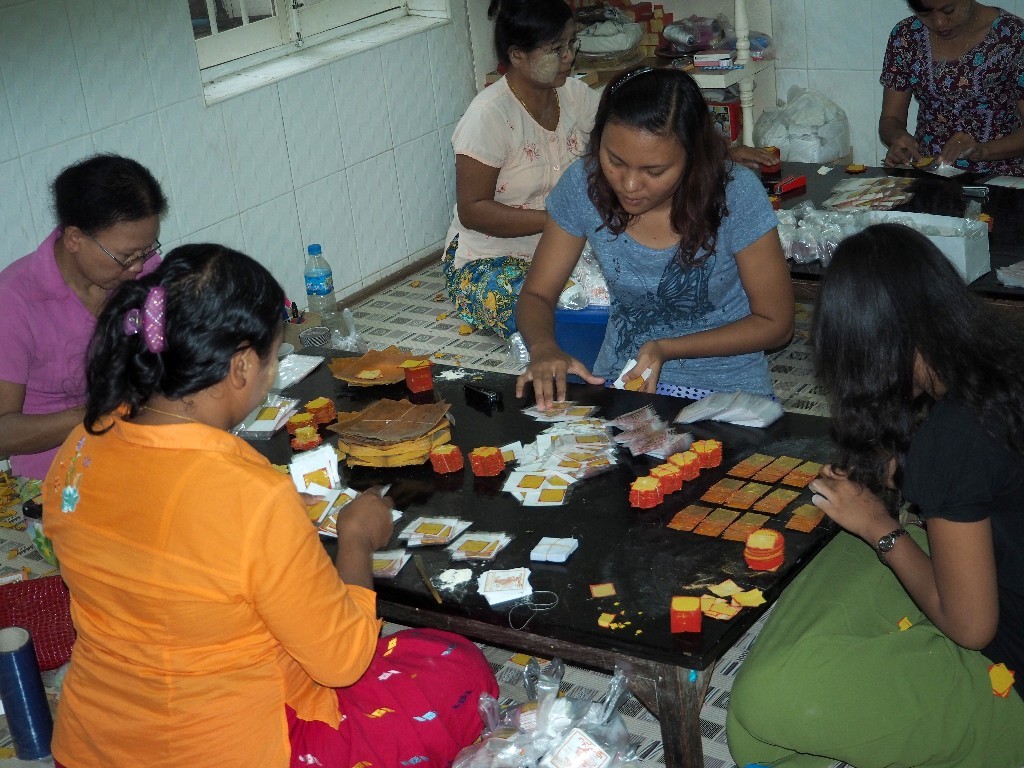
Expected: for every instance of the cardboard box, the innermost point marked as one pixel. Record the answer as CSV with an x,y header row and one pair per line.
x,y
728,117
968,253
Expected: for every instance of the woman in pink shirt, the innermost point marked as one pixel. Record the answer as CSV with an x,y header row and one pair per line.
x,y
108,218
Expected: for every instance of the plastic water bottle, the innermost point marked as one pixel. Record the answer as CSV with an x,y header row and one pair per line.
x,y
319,282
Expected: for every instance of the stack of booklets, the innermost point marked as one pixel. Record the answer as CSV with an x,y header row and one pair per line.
x,y
388,563
714,59
425,531
478,545
499,587
268,417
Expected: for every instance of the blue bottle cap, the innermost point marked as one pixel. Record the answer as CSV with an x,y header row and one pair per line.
x,y
313,249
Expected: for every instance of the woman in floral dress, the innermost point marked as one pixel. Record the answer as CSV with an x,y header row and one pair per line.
x,y
964,64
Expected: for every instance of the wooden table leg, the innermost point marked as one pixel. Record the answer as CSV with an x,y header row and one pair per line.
x,y
675,695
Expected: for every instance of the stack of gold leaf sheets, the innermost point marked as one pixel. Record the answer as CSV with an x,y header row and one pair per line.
x,y
392,433
375,367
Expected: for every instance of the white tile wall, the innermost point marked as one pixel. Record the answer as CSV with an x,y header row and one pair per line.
x,y
43,84
325,217
448,163
116,86
272,237
18,230
344,154
362,108
421,183
8,145
40,168
311,125
255,132
409,89
381,245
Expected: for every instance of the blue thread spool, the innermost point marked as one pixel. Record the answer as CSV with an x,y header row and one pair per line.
x,y
21,689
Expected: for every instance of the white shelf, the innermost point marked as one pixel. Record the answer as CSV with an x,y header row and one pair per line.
x,y
729,77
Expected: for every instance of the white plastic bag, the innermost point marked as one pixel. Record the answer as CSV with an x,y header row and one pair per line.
x,y
808,128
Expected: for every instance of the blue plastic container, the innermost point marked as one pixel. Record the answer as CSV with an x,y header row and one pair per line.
x,y
581,331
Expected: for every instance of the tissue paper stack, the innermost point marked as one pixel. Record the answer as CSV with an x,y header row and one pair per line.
x,y
740,408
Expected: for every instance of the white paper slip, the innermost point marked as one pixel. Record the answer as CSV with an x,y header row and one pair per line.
x,y
1013,182
319,466
630,365
267,417
552,550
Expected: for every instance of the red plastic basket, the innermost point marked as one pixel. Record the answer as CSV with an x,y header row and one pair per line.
x,y
43,607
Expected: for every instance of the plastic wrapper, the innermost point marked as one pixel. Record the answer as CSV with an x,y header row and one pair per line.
x,y
695,33
761,46
808,128
345,337
808,234
610,43
537,733
586,286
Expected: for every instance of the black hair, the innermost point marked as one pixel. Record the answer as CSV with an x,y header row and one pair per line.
x,y
103,190
917,6
218,301
526,24
887,295
666,102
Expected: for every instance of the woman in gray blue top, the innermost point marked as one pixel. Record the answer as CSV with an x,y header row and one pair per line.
x,y
686,240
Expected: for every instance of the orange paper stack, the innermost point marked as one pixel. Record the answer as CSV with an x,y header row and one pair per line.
x,y
685,614
765,550
298,421
486,461
646,492
446,458
306,438
670,477
688,463
709,452
419,375
322,410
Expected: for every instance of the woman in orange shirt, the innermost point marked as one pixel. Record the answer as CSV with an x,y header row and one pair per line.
x,y
212,627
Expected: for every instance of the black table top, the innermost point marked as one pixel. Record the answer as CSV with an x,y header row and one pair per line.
x,y
647,562
936,195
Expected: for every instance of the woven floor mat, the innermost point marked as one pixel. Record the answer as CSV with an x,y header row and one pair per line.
x,y
417,315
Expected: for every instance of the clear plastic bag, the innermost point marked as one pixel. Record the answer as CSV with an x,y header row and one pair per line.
x,y
537,733
586,286
808,128
345,337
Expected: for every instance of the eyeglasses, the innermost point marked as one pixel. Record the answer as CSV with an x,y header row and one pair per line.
x,y
146,255
567,49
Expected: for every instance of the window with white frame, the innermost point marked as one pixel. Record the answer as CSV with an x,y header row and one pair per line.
x,y
227,30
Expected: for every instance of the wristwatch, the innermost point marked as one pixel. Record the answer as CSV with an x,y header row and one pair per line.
x,y
887,542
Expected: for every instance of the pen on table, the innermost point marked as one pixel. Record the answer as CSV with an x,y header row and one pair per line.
x,y
426,579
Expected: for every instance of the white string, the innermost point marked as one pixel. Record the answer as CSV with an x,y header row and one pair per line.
x,y
532,605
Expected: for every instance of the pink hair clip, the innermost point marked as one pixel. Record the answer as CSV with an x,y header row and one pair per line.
x,y
150,320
